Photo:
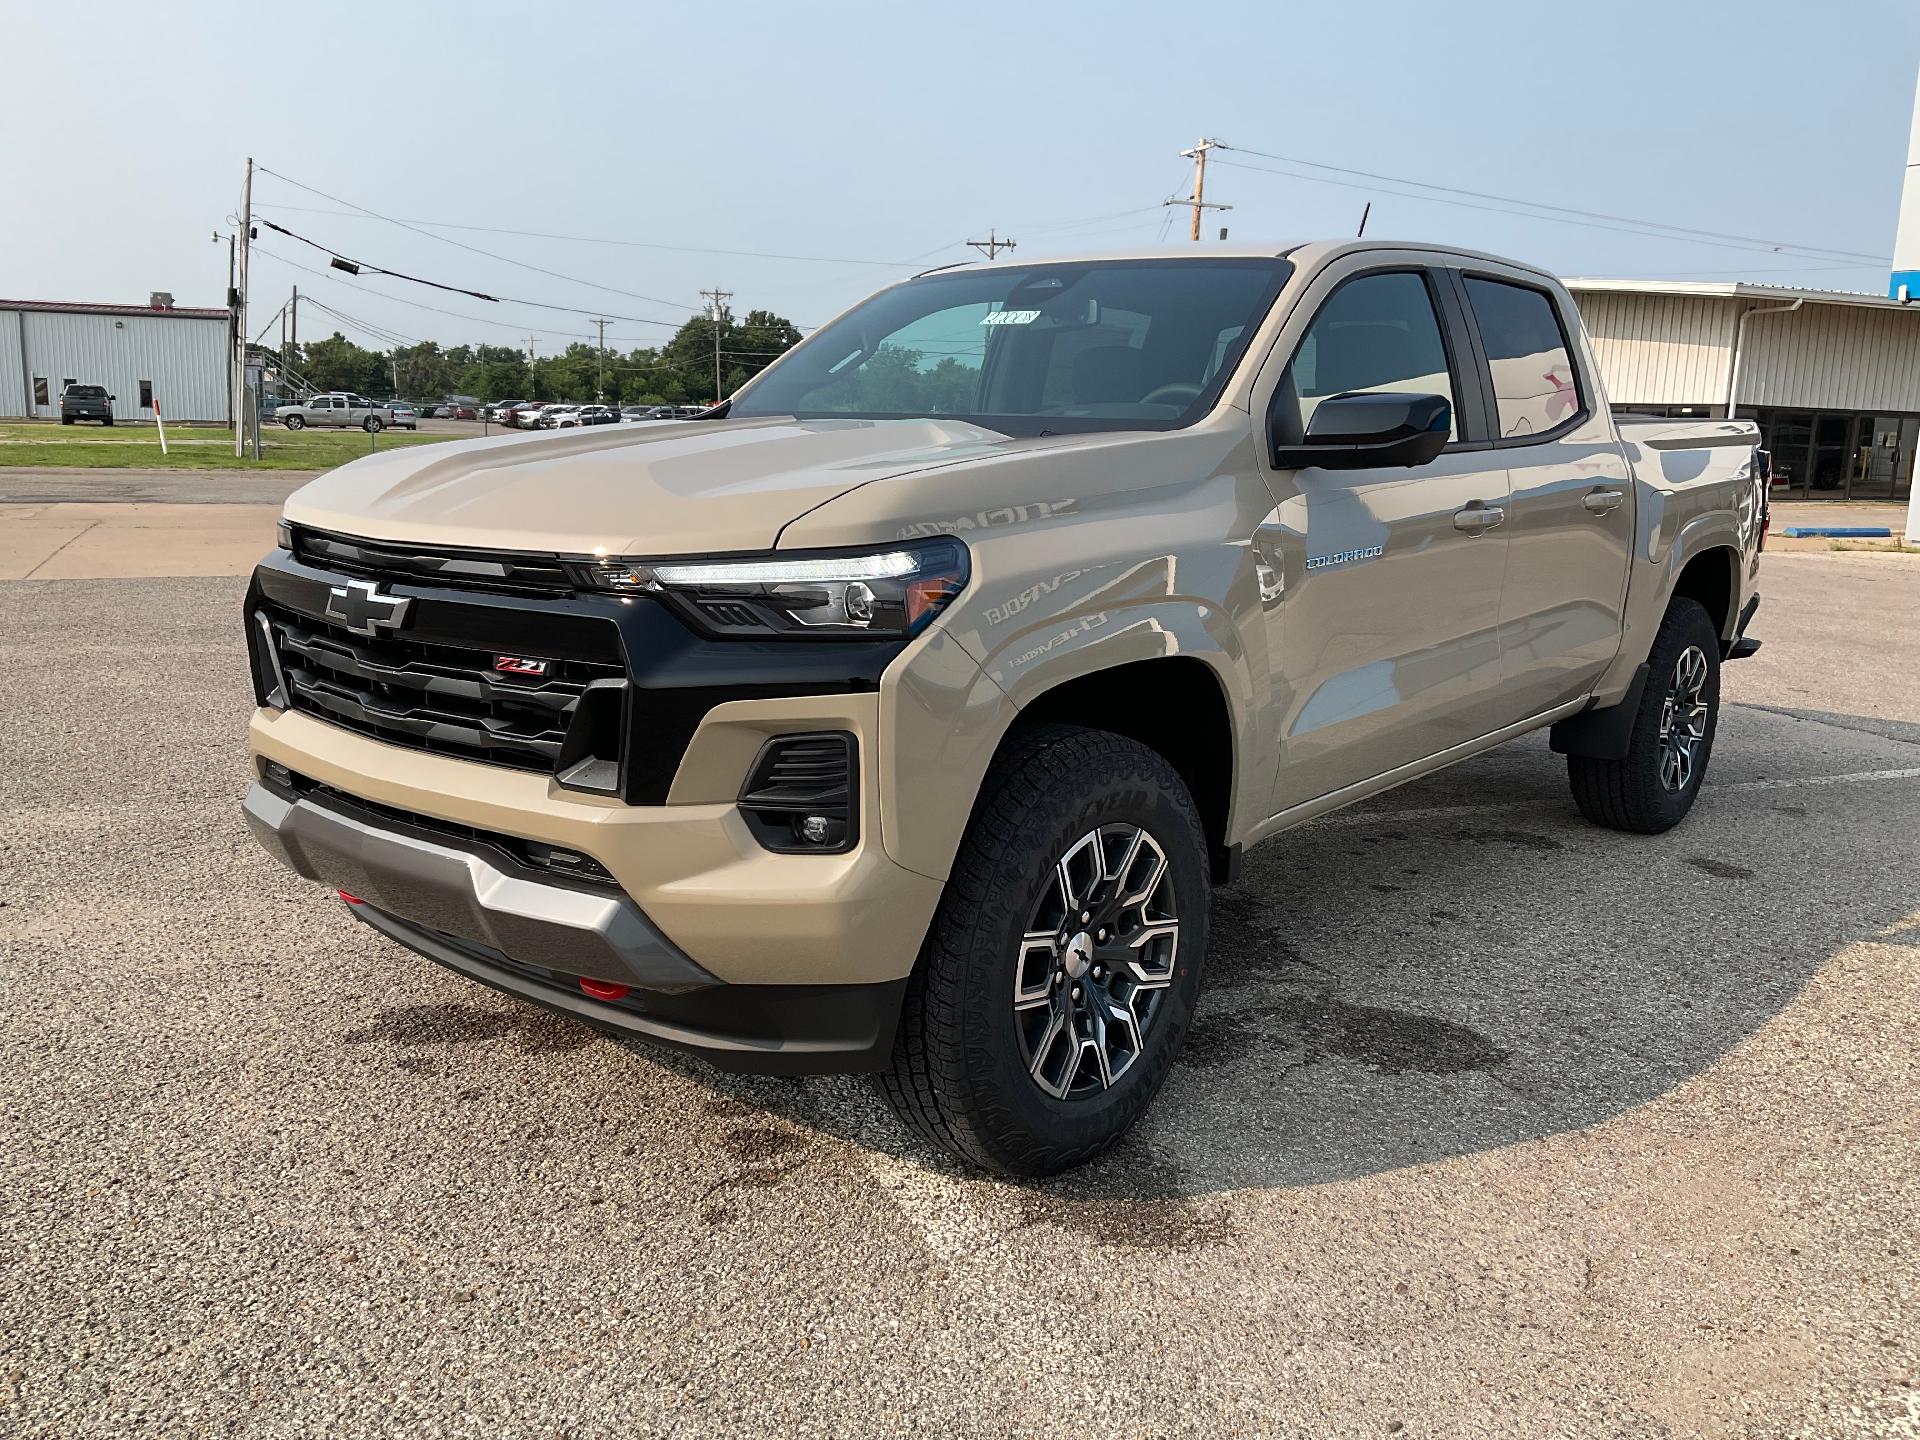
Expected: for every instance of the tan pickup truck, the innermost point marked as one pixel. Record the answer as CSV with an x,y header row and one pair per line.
x,y
902,716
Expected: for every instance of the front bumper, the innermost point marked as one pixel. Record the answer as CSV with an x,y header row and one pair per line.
x,y
475,910
593,931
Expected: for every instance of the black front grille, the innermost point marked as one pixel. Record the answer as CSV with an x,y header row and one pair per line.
x,y
493,570
441,698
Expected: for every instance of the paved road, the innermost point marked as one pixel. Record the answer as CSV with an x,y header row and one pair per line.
x,y
1492,1123
30,485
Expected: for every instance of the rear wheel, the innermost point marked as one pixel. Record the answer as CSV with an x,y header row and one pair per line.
x,y
372,425
296,422
108,422
1061,969
1653,786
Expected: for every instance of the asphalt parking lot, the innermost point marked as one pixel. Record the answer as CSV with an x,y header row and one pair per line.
x,y
1492,1123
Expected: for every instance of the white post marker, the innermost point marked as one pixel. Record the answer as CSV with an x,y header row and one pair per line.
x,y
160,424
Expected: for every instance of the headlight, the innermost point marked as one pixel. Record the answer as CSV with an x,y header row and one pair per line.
x,y
894,591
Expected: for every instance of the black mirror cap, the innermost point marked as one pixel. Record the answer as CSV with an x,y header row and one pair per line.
x,y
1365,431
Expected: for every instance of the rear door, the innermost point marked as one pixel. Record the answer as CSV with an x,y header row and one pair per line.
x,y
1570,514
1382,585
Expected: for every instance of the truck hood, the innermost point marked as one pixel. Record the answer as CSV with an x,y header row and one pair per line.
x,y
680,488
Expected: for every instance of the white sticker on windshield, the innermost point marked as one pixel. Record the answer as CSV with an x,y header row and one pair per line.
x,y
1010,317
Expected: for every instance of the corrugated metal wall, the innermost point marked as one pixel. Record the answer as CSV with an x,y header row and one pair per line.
x,y
1660,349
1833,357
184,356
13,382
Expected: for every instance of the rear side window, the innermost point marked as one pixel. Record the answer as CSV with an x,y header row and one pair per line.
x,y
1376,334
1534,383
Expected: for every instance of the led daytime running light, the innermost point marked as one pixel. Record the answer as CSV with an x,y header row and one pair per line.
x,y
887,565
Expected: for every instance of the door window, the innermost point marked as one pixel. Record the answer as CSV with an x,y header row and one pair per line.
x,y
1535,387
1377,334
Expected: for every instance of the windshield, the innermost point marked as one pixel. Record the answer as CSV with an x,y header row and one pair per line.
x,y
1102,345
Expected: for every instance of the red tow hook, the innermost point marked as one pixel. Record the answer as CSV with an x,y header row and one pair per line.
x,y
605,989
351,898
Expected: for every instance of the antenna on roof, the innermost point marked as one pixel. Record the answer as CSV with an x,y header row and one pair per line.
x,y
1361,232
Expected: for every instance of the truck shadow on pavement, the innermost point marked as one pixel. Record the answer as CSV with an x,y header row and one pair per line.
x,y
1385,991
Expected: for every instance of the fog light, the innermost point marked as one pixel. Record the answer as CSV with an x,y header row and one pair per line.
x,y
605,989
820,829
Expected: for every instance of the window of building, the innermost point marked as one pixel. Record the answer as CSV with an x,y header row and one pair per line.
x,y
146,394
40,390
67,384
1534,382
1379,334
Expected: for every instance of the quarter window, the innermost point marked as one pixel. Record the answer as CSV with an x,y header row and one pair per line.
x,y
1534,383
1377,334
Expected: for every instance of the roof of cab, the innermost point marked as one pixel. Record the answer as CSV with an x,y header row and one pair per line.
x,y
1315,251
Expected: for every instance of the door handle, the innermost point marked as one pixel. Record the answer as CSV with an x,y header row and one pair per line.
x,y
1604,502
1477,519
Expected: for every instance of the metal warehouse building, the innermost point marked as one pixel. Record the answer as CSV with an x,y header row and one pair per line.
x,y
1831,377
181,356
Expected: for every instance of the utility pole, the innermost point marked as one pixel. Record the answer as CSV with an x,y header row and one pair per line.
x,y
717,313
240,361
992,245
1198,200
530,385
293,339
601,390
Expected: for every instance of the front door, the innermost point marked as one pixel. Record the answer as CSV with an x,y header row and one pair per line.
x,y
1383,585
1570,511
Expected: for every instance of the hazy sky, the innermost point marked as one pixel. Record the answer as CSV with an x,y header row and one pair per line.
x,y
889,133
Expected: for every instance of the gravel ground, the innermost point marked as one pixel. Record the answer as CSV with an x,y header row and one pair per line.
x,y
1492,1123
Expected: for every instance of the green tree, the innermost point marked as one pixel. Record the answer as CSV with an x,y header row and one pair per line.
x,y
746,348
336,363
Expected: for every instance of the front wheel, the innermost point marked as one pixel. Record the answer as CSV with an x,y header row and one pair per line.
x,y
1653,786
372,425
1062,966
296,422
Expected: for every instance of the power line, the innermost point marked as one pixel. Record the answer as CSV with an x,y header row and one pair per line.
x,y
462,245
501,299
598,239
1600,219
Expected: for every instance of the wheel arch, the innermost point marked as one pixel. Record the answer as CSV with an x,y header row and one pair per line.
x,y
1176,706
1710,577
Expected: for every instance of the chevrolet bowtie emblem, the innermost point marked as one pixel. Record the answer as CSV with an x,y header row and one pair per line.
x,y
361,607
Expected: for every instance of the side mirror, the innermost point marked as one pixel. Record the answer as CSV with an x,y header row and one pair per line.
x,y
1364,431
112,398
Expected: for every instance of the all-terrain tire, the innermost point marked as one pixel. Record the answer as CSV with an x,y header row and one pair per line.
x,y
1637,792
958,1076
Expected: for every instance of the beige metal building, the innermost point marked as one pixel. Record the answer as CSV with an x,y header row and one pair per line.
x,y
1831,377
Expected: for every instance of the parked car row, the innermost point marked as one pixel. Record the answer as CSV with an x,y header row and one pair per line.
x,y
566,414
